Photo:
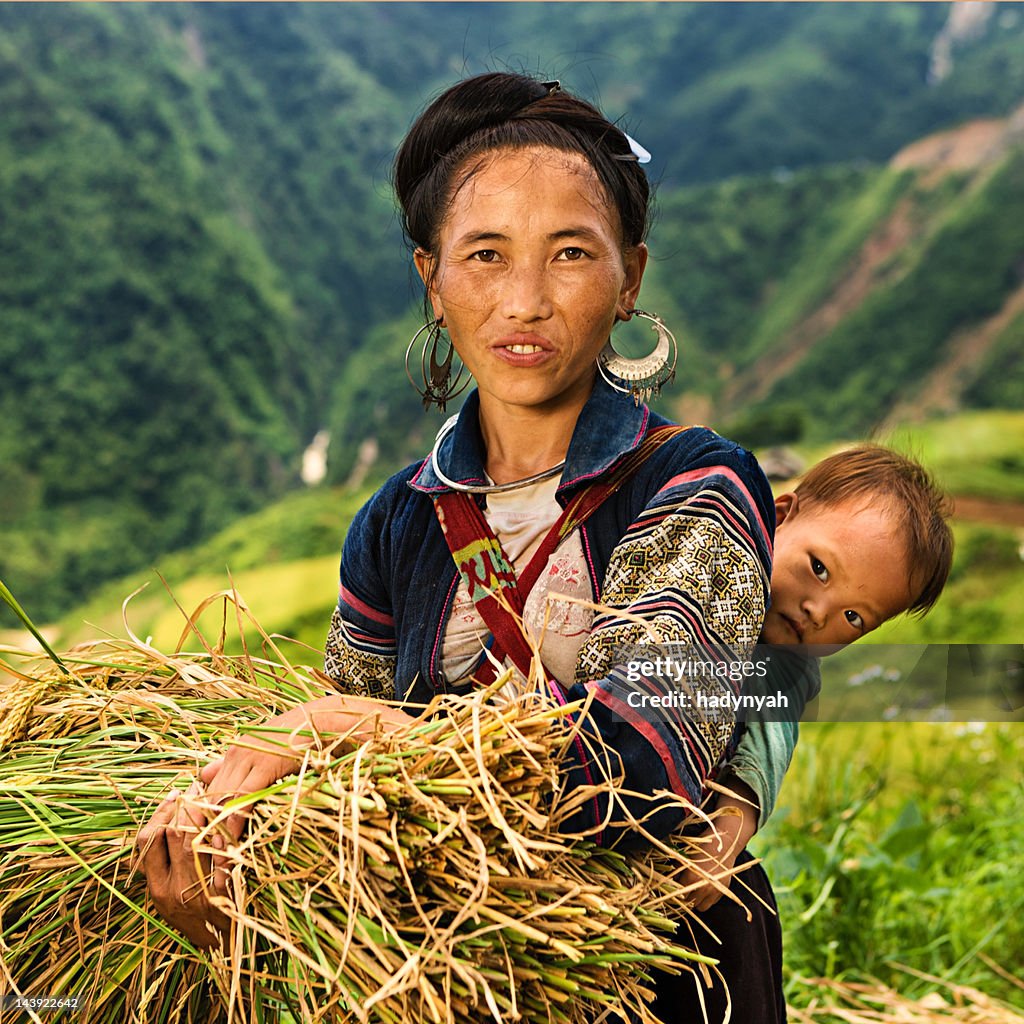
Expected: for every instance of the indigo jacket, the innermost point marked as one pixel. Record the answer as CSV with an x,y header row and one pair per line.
x,y
684,546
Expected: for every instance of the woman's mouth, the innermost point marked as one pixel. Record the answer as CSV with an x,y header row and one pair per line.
x,y
523,350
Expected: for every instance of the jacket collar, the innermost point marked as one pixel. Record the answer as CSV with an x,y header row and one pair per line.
x,y
609,426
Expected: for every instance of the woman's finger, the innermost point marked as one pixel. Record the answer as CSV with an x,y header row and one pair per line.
x,y
154,858
230,781
147,836
228,832
221,875
195,812
210,772
240,773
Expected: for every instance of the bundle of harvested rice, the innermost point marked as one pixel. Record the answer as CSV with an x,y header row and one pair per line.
x,y
420,877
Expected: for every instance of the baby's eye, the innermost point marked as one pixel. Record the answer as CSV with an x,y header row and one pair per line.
x,y
854,619
573,253
485,256
819,570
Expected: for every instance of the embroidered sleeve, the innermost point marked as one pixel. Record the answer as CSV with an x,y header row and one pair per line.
x,y
361,650
361,664
694,568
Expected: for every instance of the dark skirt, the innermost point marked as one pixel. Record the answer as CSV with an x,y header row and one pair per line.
x,y
750,961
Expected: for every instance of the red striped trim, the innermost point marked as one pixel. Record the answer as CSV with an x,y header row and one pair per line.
x,y
699,627
723,509
649,733
708,471
710,503
352,601
368,638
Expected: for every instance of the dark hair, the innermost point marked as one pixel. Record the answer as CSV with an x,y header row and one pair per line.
x,y
503,110
922,508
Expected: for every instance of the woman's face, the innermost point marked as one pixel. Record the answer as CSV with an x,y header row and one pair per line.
x,y
530,277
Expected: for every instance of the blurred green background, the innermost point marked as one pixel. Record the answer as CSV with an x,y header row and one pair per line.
x,y
201,267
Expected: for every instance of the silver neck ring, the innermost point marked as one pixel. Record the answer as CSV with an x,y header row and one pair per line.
x,y
513,485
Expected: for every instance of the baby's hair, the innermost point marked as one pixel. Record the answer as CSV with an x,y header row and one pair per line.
x,y
922,508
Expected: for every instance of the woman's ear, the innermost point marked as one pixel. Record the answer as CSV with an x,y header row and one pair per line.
x,y
635,262
785,506
426,267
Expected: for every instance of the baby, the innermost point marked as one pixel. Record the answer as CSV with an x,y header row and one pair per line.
x,y
864,537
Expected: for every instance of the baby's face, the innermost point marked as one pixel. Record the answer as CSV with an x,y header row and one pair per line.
x,y
839,572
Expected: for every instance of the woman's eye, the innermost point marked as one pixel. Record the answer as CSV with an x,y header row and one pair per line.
x,y
819,570
485,256
854,619
572,253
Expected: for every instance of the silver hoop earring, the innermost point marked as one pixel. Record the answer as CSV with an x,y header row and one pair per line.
x,y
645,376
438,387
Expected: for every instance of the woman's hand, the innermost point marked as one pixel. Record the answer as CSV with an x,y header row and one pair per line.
x,y
276,750
180,892
252,763
249,765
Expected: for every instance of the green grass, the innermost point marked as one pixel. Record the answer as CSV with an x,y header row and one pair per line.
x,y
1000,375
900,843
984,599
282,596
973,453
817,271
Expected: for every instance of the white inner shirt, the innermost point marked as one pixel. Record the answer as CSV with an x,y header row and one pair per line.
x,y
521,519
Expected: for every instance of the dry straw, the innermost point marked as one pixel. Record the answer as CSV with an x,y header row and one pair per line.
x,y
844,1002
420,877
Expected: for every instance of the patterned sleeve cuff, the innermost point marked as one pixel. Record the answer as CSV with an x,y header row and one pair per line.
x,y
355,666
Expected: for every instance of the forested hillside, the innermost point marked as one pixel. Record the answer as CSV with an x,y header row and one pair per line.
x,y
200,263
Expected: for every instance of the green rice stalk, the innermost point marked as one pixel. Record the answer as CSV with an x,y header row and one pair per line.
x,y
11,601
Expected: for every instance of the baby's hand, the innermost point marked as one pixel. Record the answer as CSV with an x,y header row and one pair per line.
x,y
709,873
721,844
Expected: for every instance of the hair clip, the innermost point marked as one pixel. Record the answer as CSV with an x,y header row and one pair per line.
x,y
641,154
552,87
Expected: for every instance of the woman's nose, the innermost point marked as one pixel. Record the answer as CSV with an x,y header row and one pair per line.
x,y
526,293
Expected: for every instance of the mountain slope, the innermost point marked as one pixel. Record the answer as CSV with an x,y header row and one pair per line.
x,y
945,259
963,274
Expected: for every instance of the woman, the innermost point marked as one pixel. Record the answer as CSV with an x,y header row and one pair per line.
x,y
527,210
